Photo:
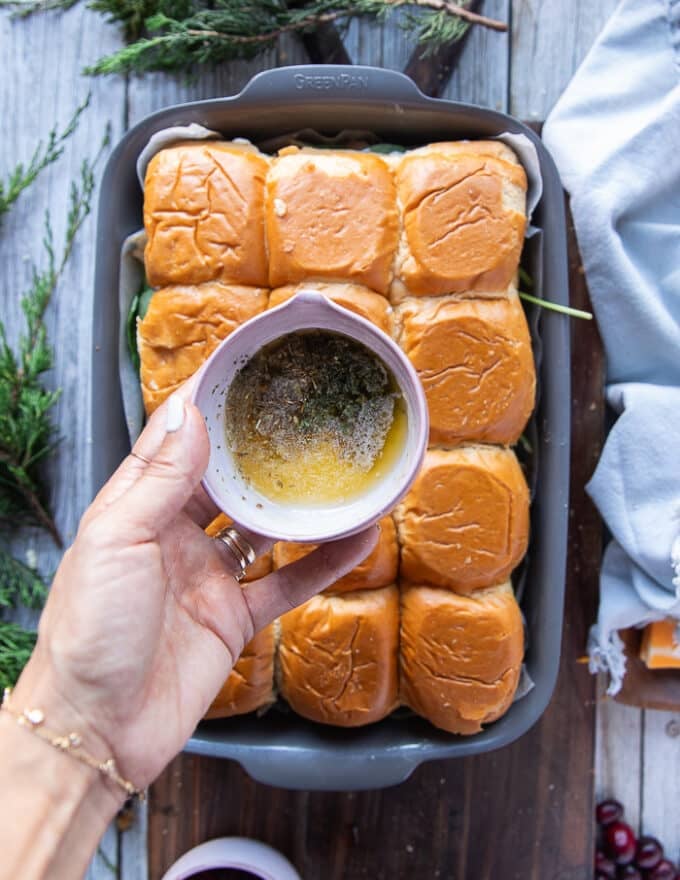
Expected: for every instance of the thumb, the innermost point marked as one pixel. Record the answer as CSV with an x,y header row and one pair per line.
x,y
169,480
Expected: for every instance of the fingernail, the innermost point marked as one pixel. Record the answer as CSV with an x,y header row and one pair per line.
x,y
175,414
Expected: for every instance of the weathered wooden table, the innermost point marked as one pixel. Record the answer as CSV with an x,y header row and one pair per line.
x,y
524,812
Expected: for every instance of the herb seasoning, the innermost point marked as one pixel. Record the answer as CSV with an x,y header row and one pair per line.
x,y
314,417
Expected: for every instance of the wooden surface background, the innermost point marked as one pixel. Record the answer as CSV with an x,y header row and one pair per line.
x,y
521,813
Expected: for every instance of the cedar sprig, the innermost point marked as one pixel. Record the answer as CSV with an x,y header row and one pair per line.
x,y
180,34
27,433
45,154
24,8
177,35
20,584
16,647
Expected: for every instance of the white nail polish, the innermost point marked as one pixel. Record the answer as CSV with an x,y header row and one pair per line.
x,y
175,414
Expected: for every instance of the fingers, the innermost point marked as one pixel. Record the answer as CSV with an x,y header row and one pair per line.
x,y
260,544
293,584
165,485
200,508
131,468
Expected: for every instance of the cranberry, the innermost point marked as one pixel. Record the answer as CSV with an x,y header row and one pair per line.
x,y
664,870
628,872
620,842
604,866
608,811
649,853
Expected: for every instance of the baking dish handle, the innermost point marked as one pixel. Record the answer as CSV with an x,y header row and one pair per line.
x,y
324,82
308,771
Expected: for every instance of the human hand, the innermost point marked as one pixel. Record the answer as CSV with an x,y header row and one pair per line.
x,y
145,619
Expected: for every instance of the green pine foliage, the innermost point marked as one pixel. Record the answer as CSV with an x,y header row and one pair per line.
x,y
26,429
16,646
177,35
27,434
46,153
20,584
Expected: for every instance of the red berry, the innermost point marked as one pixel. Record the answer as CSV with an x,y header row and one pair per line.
x,y
649,853
608,811
620,842
628,872
604,866
665,870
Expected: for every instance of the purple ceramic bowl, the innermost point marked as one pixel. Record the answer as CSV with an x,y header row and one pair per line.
x,y
298,522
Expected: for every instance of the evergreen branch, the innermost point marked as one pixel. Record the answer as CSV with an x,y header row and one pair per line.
x,y
44,154
24,8
20,584
456,10
16,647
26,428
176,35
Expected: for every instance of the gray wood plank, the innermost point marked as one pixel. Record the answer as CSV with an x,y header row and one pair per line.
x,y
156,90
45,56
619,755
481,76
104,865
396,46
550,38
659,811
134,861
364,41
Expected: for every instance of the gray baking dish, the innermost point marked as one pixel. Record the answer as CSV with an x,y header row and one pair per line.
x,y
284,749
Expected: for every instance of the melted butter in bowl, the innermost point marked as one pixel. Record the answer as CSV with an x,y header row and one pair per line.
x,y
314,418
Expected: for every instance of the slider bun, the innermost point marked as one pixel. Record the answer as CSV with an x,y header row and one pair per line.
x,y
182,327
331,214
259,568
250,685
379,569
464,218
338,657
203,214
360,300
465,521
475,362
461,656
491,149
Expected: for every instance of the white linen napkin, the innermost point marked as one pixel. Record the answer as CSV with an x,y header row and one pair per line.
x,y
615,136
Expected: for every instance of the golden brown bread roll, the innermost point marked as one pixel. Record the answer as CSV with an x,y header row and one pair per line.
x,y
360,300
465,521
250,685
461,656
182,327
331,214
259,568
463,220
475,362
379,569
491,149
337,661
203,214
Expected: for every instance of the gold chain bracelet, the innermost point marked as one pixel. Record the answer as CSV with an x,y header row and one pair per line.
x,y
71,743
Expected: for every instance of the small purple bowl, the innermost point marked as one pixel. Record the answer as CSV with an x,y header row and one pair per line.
x,y
298,522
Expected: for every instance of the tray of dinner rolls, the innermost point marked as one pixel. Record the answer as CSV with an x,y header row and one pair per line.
x,y
434,646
